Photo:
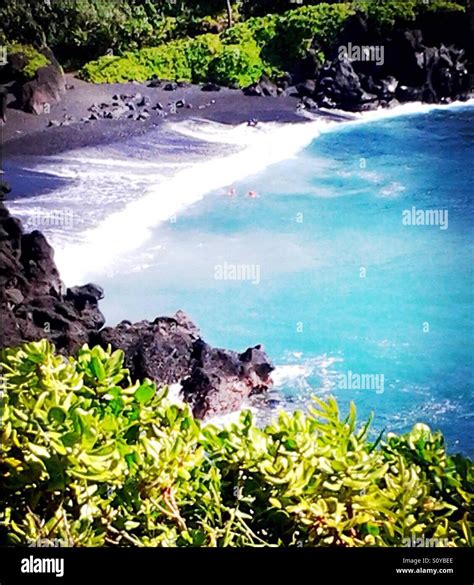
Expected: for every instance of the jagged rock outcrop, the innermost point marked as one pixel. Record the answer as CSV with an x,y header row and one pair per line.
x,y
34,304
366,70
170,350
220,380
160,350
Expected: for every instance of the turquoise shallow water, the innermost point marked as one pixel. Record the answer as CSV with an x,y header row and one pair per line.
x,y
340,284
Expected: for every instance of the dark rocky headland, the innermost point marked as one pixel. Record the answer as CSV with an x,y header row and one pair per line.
x,y
34,304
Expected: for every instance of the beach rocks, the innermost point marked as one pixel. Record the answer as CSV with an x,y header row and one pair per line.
x,y
34,77
155,83
120,107
253,90
265,87
133,107
409,71
306,88
160,350
309,103
339,86
144,101
383,70
211,87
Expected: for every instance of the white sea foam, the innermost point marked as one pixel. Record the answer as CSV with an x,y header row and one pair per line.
x,y
127,229
308,371
408,109
158,197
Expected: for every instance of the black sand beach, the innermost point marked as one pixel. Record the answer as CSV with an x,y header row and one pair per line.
x,y
29,134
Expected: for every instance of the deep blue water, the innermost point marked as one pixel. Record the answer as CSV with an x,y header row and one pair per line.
x,y
322,220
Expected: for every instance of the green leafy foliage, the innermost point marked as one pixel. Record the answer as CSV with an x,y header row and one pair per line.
x,y
79,30
237,65
167,61
200,53
385,15
269,44
93,459
198,59
110,69
298,28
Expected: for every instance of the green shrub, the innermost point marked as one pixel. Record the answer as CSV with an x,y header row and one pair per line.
x,y
181,60
385,15
298,28
200,52
93,459
440,6
167,61
285,39
201,58
237,65
115,70
34,59
80,30
272,44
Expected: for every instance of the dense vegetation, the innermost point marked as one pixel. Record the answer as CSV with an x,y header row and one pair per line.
x,y
192,41
93,459
271,44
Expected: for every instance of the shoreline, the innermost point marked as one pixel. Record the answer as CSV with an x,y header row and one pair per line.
x,y
29,134
252,149
26,134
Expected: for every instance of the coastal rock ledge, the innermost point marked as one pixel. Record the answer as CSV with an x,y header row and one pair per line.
x,y
34,304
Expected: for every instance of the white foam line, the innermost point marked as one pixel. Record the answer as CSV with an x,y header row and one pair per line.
x,y
129,228
262,146
408,109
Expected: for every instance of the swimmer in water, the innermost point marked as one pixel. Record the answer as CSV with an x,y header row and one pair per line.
x,y
252,194
231,192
